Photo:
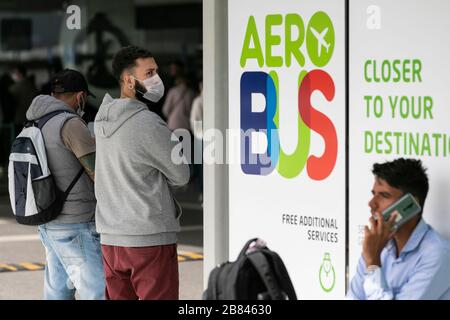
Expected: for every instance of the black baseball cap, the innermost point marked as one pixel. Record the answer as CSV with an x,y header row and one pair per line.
x,y
69,80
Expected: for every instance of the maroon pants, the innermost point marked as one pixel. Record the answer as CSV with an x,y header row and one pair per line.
x,y
145,273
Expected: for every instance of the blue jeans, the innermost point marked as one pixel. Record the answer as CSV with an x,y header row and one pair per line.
x,y
74,261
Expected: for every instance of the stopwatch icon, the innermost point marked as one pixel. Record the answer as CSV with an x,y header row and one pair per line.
x,y
327,275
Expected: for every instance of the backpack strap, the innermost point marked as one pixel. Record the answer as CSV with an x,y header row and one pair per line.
x,y
245,248
263,268
74,181
282,274
40,124
43,120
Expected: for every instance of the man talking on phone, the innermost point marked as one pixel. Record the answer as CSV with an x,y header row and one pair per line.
x,y
408,263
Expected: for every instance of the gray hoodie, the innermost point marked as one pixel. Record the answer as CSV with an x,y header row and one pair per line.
x,y
133,176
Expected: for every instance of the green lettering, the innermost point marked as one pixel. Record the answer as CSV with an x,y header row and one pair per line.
x,y
397,136
386,70
378,142
397,76
417,68
247,51
368,142
388,142
413,144
293,45
375,77
427,106
426,145
406,71
366,65
291,165
436,137
273,40
368,99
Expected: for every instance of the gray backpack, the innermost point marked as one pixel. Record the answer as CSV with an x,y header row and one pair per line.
x,y
35,198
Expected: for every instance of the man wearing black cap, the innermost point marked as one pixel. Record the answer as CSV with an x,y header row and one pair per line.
x,y
74,260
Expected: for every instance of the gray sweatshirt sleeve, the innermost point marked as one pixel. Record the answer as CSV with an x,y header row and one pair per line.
x,y
157,149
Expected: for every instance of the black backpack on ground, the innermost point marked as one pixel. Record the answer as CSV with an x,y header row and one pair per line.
x,y
258,275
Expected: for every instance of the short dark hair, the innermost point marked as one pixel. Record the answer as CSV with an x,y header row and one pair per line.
x,y
126,58
408,175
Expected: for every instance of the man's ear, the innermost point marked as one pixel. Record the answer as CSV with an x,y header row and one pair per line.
x,y
417,199
128,80
79,95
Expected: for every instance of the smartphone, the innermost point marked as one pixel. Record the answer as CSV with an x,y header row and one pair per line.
x,y
407,208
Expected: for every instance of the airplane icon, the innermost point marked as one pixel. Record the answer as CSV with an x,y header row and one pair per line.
x,y
320,40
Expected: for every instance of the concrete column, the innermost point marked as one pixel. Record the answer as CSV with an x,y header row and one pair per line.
x,y
215,95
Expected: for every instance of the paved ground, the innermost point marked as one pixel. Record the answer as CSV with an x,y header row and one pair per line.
x,y
20,244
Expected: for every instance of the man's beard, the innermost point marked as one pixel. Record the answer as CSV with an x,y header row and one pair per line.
x,y
139,92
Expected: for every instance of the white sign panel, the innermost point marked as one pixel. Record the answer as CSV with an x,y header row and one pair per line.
x,y
287,117
399,102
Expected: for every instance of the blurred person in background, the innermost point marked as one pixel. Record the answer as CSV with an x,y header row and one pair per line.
x,y
23,90
177,107
196,119
7,109
54,67
176,68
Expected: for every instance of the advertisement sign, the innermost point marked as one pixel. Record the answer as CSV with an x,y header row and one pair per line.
x,y
287,122
399,102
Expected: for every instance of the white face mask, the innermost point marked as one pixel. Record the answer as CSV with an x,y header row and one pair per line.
x,y
154,86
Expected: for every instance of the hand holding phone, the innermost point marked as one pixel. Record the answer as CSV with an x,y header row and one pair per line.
x,y
406,207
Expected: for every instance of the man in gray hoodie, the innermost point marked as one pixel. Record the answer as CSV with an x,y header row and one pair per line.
x,y
137,215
